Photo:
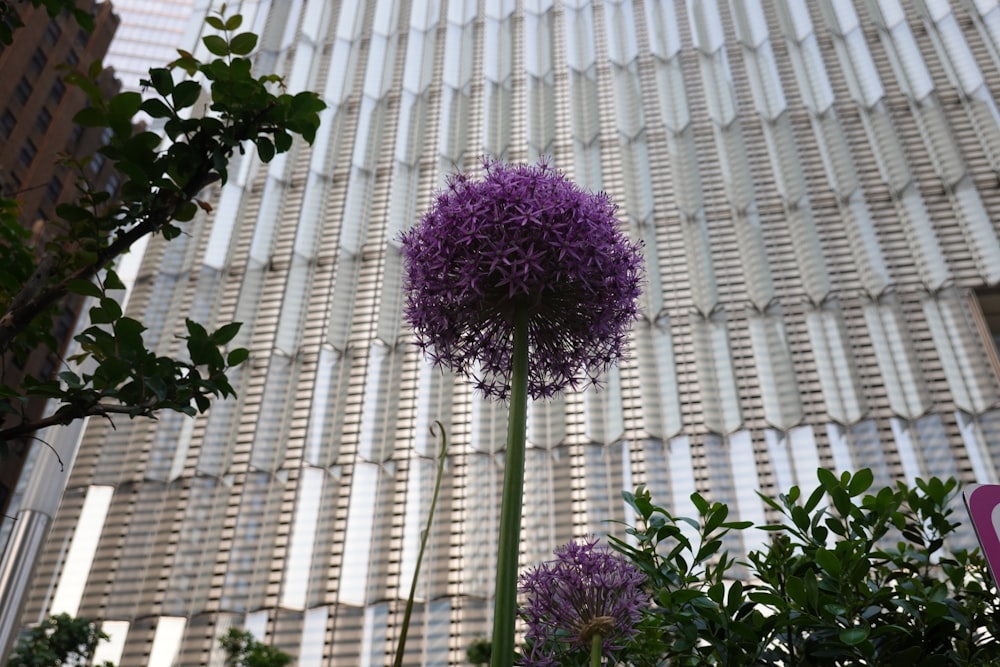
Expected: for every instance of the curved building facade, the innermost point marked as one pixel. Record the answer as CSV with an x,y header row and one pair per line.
x,y
817,185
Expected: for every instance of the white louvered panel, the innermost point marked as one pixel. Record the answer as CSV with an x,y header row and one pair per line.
x,y
889,13
682,480
356,210
604,421
991,22
314,199
704,290
651,299
862,75
983,113
795,19
224,221
419,489
584,105
887,148
901,377
386,19
753,256
538,521
379,70
269,443
480,516
601,480
672,92
923,240
750,22
638,184
865,246
912,469
959,55
461,12
809,252
537,46
350,21
313,637
706,25
658,379
267,220
342,301
82,549
977,449
664,33
769,98
840,448
354,585
452,129
500,9
835,366
488,427
718,88
293,312
379,409
434,396
620,29
733,166
748,504
941,145
684,167
305,525
547,422
954,361
587,164
832,145
810,72
419,64
579,23
628,99
541,116
389,315
496,135
217,442
715,374
806,456
979,231
779,460
784,157
913,75
776,374
326,413
369,136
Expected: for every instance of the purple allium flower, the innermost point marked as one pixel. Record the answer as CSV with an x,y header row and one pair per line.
x,y
522,237
586,590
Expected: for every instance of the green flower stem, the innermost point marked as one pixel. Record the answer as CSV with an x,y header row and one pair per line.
x,y
405,628
595,649
505,607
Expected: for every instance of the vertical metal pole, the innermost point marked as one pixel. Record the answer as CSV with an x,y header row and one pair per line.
x,y
46,482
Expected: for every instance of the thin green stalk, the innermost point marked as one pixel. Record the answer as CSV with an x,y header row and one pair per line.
x,y
405,628
595,650
505,607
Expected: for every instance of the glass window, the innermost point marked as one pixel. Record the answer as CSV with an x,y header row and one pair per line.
x,y
43,120
52,34
58,90
23,91
54,189
72,58
37,62
7,123
28,152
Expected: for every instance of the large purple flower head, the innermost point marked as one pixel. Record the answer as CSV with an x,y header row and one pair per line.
x,y
586,590
522,237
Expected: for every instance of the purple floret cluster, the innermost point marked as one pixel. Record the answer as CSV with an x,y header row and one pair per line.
x,y
586,590
522,237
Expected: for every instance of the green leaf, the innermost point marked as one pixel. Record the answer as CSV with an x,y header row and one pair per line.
x,y
237,356
84,288
121,110
216,45
829,561
91,117
112,281
233,22
265,149
243,43
161,80
854,636
185,94
861,482
225,333
215,22
157,108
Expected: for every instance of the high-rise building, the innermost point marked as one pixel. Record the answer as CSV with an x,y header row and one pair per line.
x,y
151,31
816,185
36,130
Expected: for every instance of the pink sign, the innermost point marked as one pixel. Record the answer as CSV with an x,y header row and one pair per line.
x,y
983,502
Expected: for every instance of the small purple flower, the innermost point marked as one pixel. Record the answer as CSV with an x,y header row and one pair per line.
x,y
523,237
586,590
